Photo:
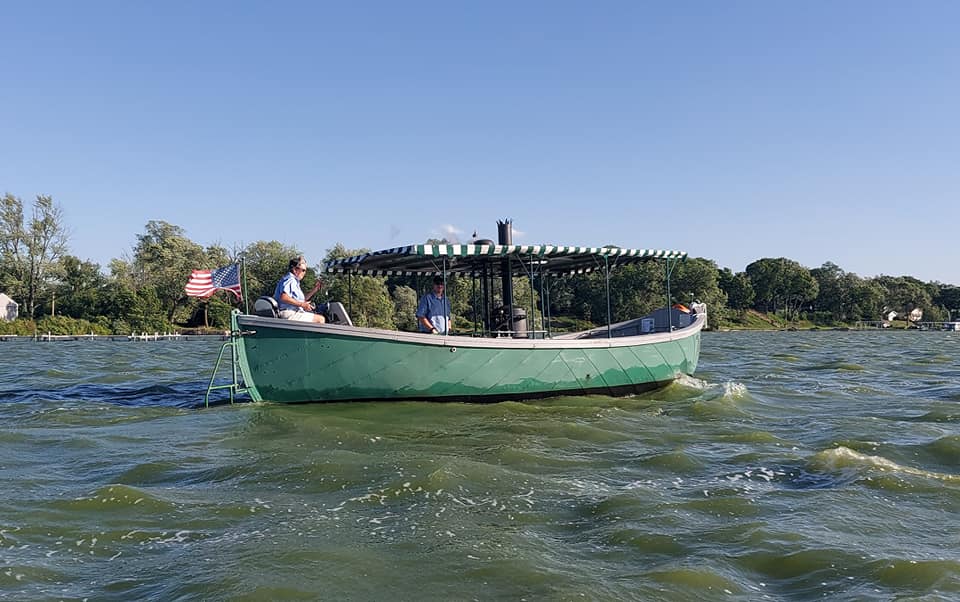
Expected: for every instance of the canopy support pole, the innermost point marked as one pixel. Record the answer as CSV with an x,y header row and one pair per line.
x,y
473,295
487,299
245,292
606,274
545,300
531,326
668,268
446,297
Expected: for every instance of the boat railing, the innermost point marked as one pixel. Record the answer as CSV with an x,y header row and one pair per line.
x,y
519,334
657,322
233,386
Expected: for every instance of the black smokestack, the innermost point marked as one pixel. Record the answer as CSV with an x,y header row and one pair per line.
x,y
505,235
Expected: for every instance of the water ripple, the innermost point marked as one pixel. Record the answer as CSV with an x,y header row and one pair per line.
x,y
792,466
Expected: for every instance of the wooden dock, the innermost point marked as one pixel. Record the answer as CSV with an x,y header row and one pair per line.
x,y
882,324
144,336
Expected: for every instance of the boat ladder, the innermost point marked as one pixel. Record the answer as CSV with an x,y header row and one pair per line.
x,y
234,386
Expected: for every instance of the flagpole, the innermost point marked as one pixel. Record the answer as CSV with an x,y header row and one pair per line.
x,y
243,290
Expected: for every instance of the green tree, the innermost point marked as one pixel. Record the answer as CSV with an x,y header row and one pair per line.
x,y
765,278
521,298
561,295
865,298
781,284
147,313
265,263
69,326
79,290
116,303
163,259
801,289
122,272
367,298
635,290
30,248
405,308
698,279
220,303
739,290
13,264
339,251
832,295
218,313
948,297
903,294
844,296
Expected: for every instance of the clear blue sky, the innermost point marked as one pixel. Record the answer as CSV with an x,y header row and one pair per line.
x,y
818,131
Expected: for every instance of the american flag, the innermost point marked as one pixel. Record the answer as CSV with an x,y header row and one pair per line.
x,y
204,283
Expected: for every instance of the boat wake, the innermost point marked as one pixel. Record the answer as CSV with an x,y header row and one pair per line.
x,y
722,400
707,390
692,382
840,459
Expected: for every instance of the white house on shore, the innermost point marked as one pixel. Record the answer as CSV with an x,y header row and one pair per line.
x,y
8,308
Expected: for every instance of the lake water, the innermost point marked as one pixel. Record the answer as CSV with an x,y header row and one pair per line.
x,y
794,466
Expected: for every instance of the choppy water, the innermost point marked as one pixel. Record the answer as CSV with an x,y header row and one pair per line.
x,y
794,466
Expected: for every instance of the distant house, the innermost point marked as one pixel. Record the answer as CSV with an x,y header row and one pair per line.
x,y
8,308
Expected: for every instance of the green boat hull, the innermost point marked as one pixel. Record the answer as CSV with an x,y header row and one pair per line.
x,y
290,362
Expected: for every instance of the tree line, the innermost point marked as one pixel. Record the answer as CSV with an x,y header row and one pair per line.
x,y
144,292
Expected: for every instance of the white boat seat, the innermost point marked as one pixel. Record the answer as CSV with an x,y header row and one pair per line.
x,y
337,314
266,307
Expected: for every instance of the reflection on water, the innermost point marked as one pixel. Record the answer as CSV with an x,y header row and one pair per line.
x,y
792,466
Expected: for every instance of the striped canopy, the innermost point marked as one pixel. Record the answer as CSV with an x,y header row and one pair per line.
x,y
472,259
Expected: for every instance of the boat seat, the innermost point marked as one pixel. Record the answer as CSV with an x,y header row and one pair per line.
x,y
337,314
266,307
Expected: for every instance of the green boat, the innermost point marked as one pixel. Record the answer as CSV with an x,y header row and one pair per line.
x,y
502,359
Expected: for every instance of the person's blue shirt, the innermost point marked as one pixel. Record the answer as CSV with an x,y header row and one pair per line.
x,y
290,285
436,309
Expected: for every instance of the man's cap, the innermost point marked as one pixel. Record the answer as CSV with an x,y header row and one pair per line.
x,y
438,279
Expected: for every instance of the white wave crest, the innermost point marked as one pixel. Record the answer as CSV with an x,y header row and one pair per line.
x,y
694,383
734,389
844,457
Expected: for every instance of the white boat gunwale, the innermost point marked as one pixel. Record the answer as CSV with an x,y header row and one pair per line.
x,y
249,321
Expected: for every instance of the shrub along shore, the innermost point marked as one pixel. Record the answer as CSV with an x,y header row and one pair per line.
x,y
59,293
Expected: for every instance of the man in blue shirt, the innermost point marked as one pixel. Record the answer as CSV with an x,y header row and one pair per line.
x,y
294,305
433,312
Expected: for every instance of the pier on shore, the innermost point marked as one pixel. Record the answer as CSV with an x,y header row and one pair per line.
x,y
144,336
883,324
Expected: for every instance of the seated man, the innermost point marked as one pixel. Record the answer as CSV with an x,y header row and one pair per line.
x,y
293,304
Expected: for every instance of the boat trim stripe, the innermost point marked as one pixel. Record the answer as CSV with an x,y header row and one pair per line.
x,y
254,322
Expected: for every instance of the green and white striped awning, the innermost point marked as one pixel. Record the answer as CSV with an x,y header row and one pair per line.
x,y
473,259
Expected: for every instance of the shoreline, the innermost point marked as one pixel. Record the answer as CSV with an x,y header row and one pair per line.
x,y
144,337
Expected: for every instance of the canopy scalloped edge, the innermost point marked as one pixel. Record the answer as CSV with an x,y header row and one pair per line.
x,y
472,259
